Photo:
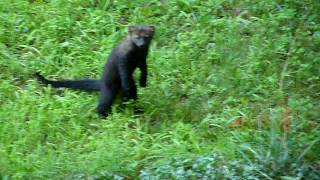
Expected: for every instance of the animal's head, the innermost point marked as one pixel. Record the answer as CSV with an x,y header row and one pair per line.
x,y
141,35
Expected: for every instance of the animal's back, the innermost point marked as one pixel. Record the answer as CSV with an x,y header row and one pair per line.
x,y
111,73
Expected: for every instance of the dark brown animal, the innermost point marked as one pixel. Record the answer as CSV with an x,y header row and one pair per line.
x,y
130,54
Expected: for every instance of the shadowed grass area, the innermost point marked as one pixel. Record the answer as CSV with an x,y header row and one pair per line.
x,y
232,86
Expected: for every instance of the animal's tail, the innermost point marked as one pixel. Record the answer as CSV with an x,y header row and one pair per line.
x,y
85,85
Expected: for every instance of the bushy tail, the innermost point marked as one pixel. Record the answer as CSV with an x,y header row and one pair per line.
x,y
85,85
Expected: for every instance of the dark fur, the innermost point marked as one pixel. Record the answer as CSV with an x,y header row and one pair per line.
x,y
130,54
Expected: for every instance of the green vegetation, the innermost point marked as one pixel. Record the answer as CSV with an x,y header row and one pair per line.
x,y
233,90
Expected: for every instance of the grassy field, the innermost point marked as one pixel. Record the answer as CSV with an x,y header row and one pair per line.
x,y
233,90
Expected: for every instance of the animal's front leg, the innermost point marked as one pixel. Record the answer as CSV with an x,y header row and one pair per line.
x,y
132,93
105,101
127,82
132,90
144,73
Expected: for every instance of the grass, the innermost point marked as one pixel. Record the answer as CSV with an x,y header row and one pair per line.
x,y
231,81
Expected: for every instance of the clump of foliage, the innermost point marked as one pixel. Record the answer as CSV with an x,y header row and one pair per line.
x,y
218,167
234,78
280,156
203,167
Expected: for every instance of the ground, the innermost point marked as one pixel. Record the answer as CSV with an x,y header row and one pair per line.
x,y
233,90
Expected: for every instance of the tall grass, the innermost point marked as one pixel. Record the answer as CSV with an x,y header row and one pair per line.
x,y
231,81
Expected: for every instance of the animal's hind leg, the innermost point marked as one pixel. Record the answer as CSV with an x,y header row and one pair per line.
x,y
106,98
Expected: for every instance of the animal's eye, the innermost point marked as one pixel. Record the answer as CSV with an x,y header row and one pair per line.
x,y
134,35
144,35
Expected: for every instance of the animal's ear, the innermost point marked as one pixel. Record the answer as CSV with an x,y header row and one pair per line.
x,y
152,28
131,28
